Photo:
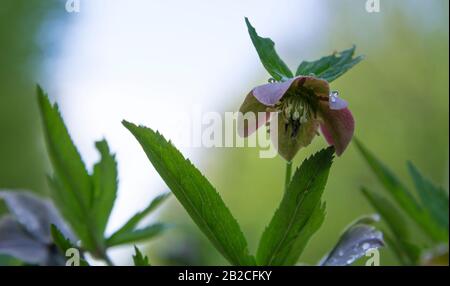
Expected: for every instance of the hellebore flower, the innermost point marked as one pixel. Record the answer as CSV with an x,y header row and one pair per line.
x,y
25,232
303,104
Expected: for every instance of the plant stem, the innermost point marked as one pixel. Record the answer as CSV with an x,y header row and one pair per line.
x,y
287,179
107,259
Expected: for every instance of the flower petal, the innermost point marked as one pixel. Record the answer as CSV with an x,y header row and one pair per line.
x,y
261,98
35,214
251,107
270,94
337,127
288,146
319,86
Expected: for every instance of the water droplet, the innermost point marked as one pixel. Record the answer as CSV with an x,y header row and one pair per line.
x,y
335,102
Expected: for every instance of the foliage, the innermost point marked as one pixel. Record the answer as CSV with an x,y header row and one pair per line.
x,y
84,200
299,216
430,212
329,67
139,259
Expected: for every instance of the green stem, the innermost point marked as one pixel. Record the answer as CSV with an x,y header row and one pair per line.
x,y
287,179
107,259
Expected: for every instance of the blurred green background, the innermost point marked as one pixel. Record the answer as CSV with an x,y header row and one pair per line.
x,y
399,96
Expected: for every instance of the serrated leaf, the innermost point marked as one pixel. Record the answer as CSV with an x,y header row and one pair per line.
x,y
68,207
139,259
60,240
134,220
402,196
74,196
136,235
300,213
311,227
64,243
104,180
196,194
397,225
433,199
330,67
268,56
353,244
66,160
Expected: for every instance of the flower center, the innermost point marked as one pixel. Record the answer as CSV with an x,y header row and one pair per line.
x,y
297,107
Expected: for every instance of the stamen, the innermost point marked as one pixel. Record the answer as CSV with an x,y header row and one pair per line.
x,y
297,107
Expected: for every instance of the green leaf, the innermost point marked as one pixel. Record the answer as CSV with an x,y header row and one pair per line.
x,y
133,221
136,235
60,241
268,56
300,213
311,227
104,179
407,253
402,196
397,225
68,207
433,199
330,67
196,194
66,160
64,243
140,259
389,212
71,181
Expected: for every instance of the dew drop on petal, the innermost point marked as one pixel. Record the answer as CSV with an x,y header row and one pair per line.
x,y
335,102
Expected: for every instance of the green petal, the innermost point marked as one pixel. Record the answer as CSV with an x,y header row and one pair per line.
x,y
287,145
251,104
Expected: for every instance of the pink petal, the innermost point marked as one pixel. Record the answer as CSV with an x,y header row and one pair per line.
x,y
253,106
319,86
337,127
269,94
